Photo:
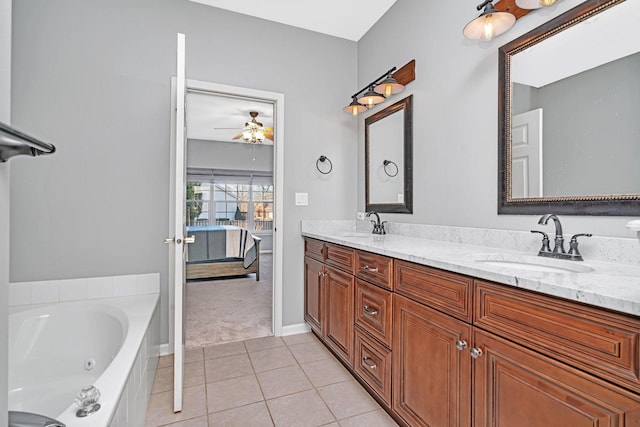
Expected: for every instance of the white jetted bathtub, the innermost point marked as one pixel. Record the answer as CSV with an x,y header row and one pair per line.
x,y
55,350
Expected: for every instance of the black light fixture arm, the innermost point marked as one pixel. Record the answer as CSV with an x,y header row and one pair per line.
x,y
374,83
483,4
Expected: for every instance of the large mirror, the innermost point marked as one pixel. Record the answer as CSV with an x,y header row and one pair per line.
x,y
388,159
570,114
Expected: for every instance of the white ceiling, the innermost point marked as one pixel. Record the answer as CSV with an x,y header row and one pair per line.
x,y
214,117
347,19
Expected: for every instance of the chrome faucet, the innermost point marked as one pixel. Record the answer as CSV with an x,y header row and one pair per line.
x,y
378,227
558,249
28,419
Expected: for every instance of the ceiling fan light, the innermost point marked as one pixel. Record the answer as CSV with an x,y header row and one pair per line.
x,y
388,87
371,98
489,24
355,108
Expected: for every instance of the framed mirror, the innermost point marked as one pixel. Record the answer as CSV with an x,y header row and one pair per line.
x,y
388,136
569,109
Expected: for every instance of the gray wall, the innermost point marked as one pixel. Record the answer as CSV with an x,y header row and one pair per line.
x,y
455,114
94,78
232,156
5,117
590,130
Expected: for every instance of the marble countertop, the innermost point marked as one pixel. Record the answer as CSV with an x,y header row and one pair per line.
x,y
602,284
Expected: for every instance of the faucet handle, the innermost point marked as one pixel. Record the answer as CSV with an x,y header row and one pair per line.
x,y
545,242
574,253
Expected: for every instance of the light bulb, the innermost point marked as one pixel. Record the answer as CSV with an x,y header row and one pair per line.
x,y
388,90
354,110
547,2
488,28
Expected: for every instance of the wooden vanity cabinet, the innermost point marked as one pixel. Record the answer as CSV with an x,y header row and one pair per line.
x,y
338,330
314,294
431,376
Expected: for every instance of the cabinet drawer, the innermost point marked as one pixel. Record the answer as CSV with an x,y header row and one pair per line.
x,y
444,291
314,248
601,342
376,269
340,256
373,311
373,365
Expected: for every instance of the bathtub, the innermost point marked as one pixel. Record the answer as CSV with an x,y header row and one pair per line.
x,y
56,349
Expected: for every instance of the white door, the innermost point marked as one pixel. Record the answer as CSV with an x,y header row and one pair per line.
x,y
179,226
526,154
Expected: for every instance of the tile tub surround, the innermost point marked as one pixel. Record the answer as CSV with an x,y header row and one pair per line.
x,y
612,285
53,291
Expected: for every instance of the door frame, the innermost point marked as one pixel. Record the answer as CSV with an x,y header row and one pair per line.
x,y
278,178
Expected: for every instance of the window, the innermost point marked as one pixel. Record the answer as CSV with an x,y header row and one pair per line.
x,y
242,200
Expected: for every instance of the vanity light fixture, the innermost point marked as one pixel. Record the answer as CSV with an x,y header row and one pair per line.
x,y
534,4
490,23
380,89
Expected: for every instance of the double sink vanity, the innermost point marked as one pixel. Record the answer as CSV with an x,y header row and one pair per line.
x,y
443,333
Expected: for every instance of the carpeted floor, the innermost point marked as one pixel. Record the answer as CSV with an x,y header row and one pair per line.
x,y
229,310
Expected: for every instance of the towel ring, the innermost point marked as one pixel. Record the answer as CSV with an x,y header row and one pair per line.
x,y
386,163
323,159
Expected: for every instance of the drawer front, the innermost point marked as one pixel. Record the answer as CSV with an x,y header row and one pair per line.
x,y
373,311
376,269
373,365
444,291
603,343
314,248
340,256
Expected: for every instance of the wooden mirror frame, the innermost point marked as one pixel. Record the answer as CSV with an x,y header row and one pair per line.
x,y
615,204
405,104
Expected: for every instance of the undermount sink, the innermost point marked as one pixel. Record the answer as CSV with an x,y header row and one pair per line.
x,y
533,263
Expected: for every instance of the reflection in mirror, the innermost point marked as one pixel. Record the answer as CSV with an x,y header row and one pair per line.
x,y
388,163
569,114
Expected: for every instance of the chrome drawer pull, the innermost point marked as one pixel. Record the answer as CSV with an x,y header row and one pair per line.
x,y
369,311
369,269
366,360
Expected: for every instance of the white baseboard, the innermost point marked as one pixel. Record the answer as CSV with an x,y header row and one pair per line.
x,y
300,328
164,349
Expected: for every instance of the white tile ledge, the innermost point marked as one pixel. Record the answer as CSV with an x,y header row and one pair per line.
x,y
610,285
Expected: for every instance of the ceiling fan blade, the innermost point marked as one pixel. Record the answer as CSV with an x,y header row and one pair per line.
x,y
268,135
238,136
269,129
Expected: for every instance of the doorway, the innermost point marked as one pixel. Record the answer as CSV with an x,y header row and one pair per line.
x,y
276,100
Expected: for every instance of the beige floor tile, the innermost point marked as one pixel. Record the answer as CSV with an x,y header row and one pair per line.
x,y
283,381
299,338
377,418
331,425
325,372
233,393
192,355
165,361
265,343
305,409
310,352
160,409
195,422
274,358
228,367
222,350
163,380
254,415
194,374
347,399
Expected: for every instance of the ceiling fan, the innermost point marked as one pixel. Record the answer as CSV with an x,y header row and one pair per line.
x,y
254,132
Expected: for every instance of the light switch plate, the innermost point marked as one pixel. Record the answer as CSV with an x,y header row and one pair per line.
x,y
302,199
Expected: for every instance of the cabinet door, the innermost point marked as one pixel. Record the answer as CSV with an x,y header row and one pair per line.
x,y
313,294
516,387
431,377
338,328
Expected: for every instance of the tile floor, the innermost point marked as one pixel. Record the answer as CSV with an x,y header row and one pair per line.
x,y
282,382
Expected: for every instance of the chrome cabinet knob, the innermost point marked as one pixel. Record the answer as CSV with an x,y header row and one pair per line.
x,y
476,352
461,344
